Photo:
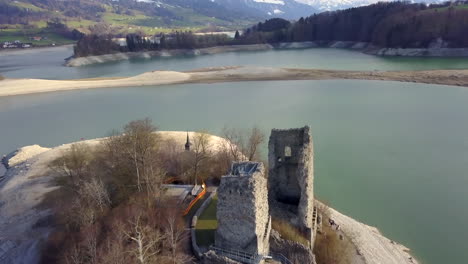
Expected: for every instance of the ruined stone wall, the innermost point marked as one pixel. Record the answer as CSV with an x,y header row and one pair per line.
x,y
243,212
291,175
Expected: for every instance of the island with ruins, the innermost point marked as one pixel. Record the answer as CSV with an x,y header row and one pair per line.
x,y
255,212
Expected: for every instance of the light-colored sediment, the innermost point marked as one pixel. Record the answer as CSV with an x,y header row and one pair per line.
x,y
231,74
371,245
27,86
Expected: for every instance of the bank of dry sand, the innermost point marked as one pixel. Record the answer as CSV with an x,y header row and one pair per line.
x,y
230,74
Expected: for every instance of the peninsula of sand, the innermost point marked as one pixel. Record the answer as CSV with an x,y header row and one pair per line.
x,y
10,87
29,178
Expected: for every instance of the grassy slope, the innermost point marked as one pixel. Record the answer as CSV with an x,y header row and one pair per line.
x,y
189,20
207,224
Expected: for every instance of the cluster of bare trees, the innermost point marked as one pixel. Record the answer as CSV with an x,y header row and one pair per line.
x,y
111,207
242,145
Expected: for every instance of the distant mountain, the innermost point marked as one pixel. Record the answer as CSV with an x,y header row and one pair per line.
x,y
152,16
289,9
332,5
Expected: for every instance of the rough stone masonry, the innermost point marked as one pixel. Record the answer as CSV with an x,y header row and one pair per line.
x,y
291,177
244,222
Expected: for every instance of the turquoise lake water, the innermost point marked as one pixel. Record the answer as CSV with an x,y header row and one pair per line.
x,y
392,155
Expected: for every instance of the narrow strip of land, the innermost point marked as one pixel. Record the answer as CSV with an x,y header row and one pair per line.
x,y
231,74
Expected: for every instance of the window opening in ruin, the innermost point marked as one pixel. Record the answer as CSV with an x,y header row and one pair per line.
x,y
287,151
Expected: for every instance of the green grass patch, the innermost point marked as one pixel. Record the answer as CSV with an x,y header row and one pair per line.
x,y
465,6
116,19
24,36
29,6
207,225
83,23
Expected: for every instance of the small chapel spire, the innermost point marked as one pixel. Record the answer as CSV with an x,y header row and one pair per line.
x,y
187,143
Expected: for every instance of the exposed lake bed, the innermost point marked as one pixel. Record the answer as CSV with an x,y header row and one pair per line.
x,y
388,153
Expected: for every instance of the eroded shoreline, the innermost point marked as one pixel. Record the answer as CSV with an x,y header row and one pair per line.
x,y
10,87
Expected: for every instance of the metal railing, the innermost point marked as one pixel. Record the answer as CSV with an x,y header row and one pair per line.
x,y
281,258
241,256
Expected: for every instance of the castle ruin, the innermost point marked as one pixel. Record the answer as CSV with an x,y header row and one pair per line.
x,y
291,177
244,222
247,199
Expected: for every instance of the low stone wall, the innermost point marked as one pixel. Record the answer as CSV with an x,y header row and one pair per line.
x,y
196,249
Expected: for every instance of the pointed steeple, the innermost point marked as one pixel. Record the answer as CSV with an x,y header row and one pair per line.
x,y
187,143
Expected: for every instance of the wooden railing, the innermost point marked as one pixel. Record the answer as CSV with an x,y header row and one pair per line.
x,y
194,201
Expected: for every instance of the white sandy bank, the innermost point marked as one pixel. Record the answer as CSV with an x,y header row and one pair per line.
x,y
373,247
10,87
27,86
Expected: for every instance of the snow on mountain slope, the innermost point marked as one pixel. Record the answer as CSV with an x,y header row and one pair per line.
x,y
275,2
289,9
330,5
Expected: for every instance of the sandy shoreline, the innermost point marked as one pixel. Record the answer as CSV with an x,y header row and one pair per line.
x,y
9,87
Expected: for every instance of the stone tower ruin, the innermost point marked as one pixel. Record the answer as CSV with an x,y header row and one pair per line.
x,y
291,178
244,222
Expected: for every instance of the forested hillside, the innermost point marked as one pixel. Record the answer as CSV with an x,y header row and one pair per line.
x,y
393,24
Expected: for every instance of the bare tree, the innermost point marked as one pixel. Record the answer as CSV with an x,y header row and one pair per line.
x,y
243,145
145,240
136,147
201,152
74,162
255,139
94,193
114,251
175,234
90,244
233,144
